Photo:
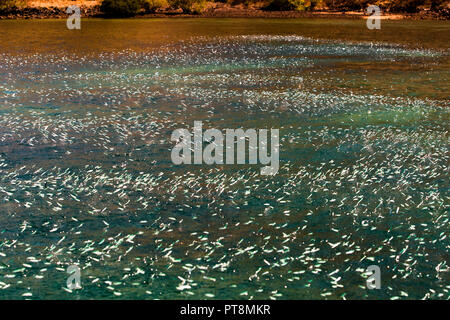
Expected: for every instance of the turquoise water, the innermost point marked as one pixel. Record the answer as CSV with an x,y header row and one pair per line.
x,y
86,176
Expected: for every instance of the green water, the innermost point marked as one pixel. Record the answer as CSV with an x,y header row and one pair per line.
x,y
86,176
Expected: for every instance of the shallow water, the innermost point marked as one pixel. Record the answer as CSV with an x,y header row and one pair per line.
x,y
86,176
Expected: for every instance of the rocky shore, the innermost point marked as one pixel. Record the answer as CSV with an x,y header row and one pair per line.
x,y
218,11
47,12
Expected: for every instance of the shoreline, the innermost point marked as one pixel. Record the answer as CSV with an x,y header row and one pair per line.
x,y
221,11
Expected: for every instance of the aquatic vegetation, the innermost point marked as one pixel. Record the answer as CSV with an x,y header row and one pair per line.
x,y
86,176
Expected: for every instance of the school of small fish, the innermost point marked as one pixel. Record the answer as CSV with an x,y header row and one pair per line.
x,y
86,176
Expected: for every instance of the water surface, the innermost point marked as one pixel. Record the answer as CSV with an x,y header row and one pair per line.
x,y
86,176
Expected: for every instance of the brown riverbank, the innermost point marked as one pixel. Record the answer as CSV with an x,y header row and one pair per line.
x,y
52,10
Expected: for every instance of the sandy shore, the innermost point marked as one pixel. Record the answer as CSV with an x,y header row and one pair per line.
x,y
91,8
